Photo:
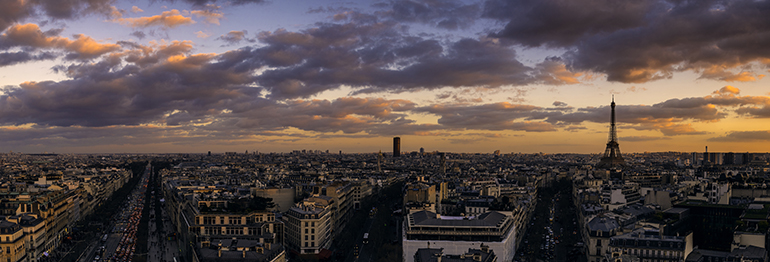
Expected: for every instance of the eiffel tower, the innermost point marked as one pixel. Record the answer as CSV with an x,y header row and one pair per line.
x,y
612,157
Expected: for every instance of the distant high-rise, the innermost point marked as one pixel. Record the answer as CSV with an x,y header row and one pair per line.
x,y
396,146
612,157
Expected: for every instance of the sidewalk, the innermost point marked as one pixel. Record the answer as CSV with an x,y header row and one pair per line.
x,y
159,248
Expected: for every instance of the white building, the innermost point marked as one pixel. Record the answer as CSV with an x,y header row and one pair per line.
x,y
456,235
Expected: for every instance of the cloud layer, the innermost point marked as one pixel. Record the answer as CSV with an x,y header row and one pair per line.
x,y
270,85
641,41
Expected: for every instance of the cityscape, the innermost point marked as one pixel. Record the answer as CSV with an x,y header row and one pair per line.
x,y
384,130
313,205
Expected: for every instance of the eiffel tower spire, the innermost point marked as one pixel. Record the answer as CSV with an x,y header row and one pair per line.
x,y
612,156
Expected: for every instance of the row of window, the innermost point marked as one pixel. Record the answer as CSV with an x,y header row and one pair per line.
x,y
210,220
232,231
653,253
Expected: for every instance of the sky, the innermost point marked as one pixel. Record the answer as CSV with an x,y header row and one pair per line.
x,y
519,76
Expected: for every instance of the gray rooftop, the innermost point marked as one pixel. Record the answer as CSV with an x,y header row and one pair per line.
x,y
605,224
427,218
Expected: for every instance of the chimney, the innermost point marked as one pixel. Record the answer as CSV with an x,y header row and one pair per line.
x,y
476,256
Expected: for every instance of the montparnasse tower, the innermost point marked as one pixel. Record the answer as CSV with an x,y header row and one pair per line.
x,y
612,157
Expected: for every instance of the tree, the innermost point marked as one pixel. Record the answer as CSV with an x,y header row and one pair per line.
x,y
261,203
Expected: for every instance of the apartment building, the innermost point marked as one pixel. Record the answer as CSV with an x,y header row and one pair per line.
x,y
309,225
597,236
458,234
221,224
12,241
652,246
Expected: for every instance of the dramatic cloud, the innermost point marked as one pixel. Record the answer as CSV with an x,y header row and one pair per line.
x,y
13,58
446,14
13,11
743,136
498,116
640,41
377,57
552,71
30,35
169,19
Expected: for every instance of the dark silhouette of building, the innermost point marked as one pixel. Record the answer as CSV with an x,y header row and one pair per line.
x,y
396,146
612,157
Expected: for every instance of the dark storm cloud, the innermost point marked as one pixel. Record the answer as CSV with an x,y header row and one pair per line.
x,y
563,23
378,57
498,116
12,58
640,41
13,11
446,14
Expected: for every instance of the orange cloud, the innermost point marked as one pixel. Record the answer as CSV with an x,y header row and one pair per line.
x,y
168,19
31,35
554,72
720,72
182,62
727,90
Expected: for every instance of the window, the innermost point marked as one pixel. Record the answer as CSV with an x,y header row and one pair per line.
x,y
221,220
312,237
312,224
312,230
305,230
306,244
305,223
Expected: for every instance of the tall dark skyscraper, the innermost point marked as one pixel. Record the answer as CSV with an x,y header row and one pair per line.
x,y
396,146
612,156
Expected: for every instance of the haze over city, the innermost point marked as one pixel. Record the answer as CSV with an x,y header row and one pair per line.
x,y
102,76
